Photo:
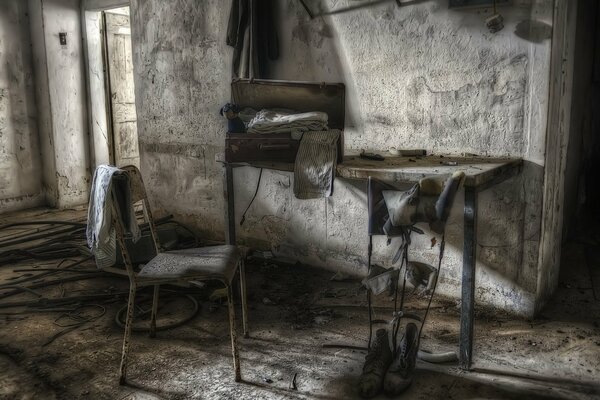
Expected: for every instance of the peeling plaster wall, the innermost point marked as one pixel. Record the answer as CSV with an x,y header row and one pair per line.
x,y
20,167
68,101
42,99
61,97
418,76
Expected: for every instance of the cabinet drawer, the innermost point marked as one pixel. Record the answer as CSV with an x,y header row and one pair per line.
x,y
255,147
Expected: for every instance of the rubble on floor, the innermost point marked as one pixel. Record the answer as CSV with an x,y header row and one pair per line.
x,y
62,340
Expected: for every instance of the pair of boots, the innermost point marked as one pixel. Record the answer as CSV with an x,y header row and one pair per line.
x,y
384,371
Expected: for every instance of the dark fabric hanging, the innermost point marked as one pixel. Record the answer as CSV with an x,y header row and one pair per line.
x,y
252,34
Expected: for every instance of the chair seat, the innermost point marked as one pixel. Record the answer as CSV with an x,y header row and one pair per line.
x,y
213,262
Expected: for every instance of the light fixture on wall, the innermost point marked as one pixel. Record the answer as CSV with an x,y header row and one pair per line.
x,y
495,23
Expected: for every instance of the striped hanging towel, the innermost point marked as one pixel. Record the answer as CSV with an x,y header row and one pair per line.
x,y
315,164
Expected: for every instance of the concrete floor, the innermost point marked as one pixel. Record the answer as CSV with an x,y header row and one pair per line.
x,y
294,311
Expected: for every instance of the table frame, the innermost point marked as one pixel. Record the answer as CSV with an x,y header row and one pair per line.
x,y
476,182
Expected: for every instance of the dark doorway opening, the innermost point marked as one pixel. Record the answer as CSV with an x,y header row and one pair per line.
x,y
579,280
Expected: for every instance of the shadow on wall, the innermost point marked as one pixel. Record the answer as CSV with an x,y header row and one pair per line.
x,y
533,31
20,170
419,76
332,233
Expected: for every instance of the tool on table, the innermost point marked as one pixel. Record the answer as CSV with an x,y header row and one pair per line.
x,y
371,156
407,152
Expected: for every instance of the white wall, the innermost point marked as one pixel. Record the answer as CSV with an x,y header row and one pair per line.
x,y
418,76
20,167
68,101
61,95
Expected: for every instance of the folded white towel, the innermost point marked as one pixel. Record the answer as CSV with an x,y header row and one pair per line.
x,y
279,121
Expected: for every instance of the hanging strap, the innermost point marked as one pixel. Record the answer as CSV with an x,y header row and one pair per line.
x,y
441,255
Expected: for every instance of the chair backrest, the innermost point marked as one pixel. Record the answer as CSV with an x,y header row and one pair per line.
x,y
137,192
136,183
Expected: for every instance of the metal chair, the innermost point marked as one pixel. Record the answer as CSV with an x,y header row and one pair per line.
x,y
219,263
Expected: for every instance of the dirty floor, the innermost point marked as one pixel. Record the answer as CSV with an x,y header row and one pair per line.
x,y
299,322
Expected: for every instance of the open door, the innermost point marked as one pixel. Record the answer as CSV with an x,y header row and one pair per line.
x,y
120,87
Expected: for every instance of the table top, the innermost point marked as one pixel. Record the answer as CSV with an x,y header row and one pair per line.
x,y
481,172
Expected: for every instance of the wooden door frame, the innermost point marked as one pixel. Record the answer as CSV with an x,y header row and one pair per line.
x,y
89,7
108,90
557,139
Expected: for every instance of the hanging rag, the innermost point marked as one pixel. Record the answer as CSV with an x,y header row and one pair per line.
x,y
100,232
314,169
380,279
251,32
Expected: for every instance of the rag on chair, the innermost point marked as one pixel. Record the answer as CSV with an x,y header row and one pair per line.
x,y
314,169
100,232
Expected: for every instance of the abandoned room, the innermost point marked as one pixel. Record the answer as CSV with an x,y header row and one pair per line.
x,y
299,199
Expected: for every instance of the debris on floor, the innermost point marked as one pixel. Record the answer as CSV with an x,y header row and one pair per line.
x,y
60,337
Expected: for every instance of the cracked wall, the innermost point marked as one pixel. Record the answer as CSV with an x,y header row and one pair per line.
x,y
20,167
417,76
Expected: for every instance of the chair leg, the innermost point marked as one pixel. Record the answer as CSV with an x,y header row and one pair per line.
x,y
126,338
236,357
154,311
243,296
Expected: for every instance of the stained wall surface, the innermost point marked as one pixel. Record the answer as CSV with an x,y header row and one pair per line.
x,y
20,166
417,76
61,100
67,100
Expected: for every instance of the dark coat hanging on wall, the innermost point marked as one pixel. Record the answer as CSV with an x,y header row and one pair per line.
x,y
252,34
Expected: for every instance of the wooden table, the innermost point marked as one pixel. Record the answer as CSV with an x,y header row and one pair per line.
x,y
481,173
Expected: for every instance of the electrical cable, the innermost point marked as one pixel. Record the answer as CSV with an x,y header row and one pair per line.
x,y
441,255
253,197
56,270
87,275
79,318
119,317
72,223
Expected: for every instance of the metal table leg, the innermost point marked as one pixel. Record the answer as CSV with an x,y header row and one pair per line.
x,y
229,204
468,279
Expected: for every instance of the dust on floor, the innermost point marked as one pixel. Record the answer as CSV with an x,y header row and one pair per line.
x,y
73,350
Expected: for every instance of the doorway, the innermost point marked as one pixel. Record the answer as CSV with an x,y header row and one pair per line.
x,y
580,265
113,121
118,67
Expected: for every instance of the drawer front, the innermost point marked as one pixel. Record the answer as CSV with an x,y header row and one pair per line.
x,y
243,149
